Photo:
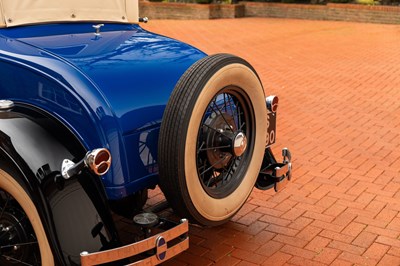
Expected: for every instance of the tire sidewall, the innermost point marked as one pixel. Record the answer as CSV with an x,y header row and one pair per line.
x,y
213,209
11,186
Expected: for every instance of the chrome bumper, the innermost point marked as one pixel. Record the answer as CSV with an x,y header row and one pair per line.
x,y
158,243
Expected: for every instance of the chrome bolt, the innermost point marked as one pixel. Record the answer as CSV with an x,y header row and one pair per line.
x,y
6,104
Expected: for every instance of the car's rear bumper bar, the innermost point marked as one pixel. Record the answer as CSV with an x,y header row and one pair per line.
x,y
160,245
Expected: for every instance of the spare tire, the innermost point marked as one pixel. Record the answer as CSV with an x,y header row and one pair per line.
x,y
212,139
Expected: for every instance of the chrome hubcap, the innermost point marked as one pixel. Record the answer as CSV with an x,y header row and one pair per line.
x,y
239,144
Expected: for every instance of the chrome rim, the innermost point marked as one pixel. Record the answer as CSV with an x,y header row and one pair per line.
x,y
224,142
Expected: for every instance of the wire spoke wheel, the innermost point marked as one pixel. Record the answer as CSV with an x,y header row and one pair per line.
x,y
18,244
22,237
227,127
212,139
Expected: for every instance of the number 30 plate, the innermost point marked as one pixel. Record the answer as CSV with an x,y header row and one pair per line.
x,y
271,129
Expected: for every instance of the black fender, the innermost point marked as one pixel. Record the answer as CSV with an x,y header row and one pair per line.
x,y
74,212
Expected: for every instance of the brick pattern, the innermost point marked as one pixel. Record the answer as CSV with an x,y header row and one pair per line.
x,y
339,86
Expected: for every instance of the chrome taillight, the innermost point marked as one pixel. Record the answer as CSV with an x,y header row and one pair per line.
x,y
272,103
98,161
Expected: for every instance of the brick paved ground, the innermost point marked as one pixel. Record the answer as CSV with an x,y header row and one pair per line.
x,y
339,85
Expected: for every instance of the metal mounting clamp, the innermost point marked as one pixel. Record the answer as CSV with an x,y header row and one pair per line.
x,y
144,19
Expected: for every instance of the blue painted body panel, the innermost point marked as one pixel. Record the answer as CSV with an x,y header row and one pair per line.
x,y
110,90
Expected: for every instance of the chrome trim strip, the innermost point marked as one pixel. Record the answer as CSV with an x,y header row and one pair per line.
x,y
88,259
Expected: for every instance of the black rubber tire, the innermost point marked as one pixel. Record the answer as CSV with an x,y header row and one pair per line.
x,y
185,111
9,185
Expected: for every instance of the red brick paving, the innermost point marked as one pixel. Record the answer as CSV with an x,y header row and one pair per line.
x,y
339,85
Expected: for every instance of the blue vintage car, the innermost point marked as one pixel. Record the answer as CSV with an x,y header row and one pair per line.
x,y
95,110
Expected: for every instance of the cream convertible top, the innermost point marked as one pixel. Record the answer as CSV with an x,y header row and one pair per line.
x,y
19,12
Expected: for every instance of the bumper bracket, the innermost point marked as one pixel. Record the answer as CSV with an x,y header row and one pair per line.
x,y
274,174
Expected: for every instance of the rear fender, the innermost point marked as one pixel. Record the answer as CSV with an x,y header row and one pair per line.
x,y
74,212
